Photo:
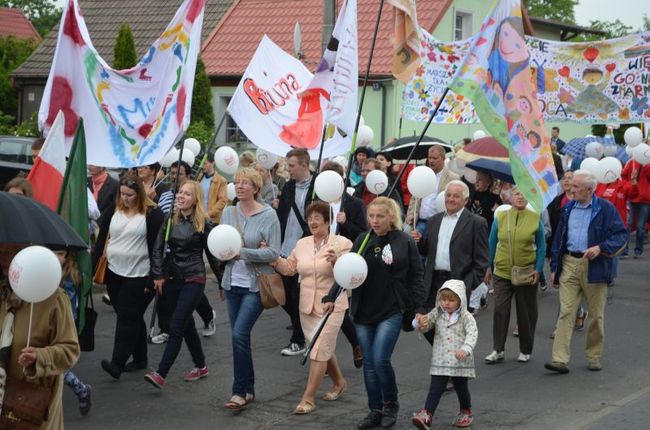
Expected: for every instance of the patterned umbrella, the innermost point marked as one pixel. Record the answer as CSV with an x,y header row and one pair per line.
x,y
576,147
486,148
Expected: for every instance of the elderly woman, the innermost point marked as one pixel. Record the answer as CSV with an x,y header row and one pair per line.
x,y
392,289
313,259
258,225
516,242
53,345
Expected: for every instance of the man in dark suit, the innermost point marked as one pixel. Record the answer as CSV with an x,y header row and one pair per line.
x,y
455,245
351,214
555,139
104,189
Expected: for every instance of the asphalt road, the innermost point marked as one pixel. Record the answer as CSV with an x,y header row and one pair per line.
x,y
508,395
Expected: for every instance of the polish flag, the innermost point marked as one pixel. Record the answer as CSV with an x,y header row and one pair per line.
x,y
47,173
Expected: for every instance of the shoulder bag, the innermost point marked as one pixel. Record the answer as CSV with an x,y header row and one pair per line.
x,y
87,333
102,265
520,276
25,405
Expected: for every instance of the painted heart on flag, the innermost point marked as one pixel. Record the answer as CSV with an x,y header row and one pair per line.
x,y
591,53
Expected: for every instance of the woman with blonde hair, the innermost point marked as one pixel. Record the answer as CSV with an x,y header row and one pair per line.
x,y
391,294
178,272
259,228
127,237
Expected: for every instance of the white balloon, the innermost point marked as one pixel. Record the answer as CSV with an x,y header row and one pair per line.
x,y
365,136
230,190
502,208
422,182
641,154
329,186
479,134
590,164
633,136
594,149
461,165
342,161
470,175
350,190
628,150
226,160
350,270
608,170
376,182
610,150
224,242
266,158
193,145
188,157
170,158
439,203
35,274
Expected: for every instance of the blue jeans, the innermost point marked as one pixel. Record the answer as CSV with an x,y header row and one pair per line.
x,y
377,344
183,299
642,211
244,308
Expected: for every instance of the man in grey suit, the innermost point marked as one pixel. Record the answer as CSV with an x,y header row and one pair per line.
x,y
455,245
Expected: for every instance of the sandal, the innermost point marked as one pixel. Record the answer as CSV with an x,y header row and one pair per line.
x,y
304,407
335,393
238,402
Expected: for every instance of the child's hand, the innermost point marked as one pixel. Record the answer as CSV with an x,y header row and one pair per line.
x,y
461,354
423,322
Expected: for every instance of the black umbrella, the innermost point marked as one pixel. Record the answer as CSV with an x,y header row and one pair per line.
x,y
401,148
23,220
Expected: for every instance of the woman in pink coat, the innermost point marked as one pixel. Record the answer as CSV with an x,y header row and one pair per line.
x,y
313,258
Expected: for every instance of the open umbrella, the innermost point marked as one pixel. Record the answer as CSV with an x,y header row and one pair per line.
x,y
499,169
401,148
23,220
485,148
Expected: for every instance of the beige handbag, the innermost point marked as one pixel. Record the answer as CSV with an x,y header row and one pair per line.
x,y
520,276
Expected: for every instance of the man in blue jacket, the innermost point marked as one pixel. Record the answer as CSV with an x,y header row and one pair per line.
x,y
590,232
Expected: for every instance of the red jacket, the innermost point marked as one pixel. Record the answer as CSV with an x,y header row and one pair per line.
x,y
618,193
643,179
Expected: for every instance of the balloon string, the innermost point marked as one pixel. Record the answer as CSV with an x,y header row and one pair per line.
x,y
29,327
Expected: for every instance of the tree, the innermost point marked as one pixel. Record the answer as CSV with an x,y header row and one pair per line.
x,y
202,96
559,10
646,23
612,29
13,52
124,51
43,14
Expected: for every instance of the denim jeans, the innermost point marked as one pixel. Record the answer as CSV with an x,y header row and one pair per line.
x,y
183,298
377,344
642,212
244,308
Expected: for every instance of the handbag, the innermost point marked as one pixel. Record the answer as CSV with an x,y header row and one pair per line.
x,y
99,276
87,333
25,405
520,276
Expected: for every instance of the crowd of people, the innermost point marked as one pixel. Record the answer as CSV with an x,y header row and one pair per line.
x,y
425,267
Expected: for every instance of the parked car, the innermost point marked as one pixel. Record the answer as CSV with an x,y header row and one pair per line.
x,y
15,157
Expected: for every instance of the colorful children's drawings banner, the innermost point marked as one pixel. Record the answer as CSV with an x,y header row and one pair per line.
x,y
591,82
131,117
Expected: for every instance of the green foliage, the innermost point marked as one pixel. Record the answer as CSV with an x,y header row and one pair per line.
x,y
43,14
202,96
13,52
612,29
28,128
646,23
124,51
599,130
201,132
559,10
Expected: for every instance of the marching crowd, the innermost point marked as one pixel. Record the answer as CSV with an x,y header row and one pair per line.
x,y
429,269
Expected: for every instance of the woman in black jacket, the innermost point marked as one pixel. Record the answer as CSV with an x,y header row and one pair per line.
x,y
183,279
130,233
391,293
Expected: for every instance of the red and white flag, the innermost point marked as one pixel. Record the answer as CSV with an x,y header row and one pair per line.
x,y
47,173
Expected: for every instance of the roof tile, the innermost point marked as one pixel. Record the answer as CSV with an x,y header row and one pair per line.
x,y
15,23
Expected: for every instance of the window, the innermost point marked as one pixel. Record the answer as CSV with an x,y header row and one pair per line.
x,y
462,25
233,135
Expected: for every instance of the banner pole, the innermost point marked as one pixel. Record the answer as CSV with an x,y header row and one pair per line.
x,y
209,147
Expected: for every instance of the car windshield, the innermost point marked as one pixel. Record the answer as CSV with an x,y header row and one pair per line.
x,y
14,150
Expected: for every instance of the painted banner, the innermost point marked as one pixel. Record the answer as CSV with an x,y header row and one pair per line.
x,y
495,75
590,82
406,39
335,85
267,102
132,117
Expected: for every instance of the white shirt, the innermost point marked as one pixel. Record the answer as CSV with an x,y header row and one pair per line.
x,y
127,251
428,203
239,276
447,227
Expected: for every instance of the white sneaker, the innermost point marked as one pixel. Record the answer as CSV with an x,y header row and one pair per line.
x,y
495,357
293,349
211,327
159,339
523,358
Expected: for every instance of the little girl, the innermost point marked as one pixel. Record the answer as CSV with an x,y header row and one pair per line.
x,y
70,281
453,345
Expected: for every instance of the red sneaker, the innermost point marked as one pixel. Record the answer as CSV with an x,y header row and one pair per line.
x,y
422,420
155,379
196,374
464,418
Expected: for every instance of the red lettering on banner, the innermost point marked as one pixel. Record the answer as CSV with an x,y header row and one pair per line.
x,y
268,100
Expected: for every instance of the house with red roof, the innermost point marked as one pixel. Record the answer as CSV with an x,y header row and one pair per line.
x,y
15,23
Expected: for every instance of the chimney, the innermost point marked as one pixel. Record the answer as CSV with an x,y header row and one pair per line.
x,y
329,18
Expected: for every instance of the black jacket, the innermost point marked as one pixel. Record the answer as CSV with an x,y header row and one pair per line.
x,y
106,197
185,256
287,197
355,217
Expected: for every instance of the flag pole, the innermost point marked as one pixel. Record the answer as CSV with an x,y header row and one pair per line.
x,y
209,147
363,94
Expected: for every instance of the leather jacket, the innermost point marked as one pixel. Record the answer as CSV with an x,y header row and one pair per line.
x,y
184,258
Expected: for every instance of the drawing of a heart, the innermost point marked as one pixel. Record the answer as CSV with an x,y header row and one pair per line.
x,y
610,67
591,54
481,41
564,71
